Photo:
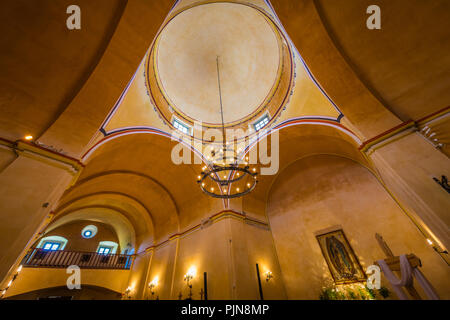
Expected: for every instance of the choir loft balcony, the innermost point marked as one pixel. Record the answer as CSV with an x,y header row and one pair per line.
x,y
42,258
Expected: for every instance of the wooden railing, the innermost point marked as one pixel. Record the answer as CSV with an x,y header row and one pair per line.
x,y
40,258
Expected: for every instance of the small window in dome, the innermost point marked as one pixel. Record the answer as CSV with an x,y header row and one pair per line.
x,y
181,126
261,123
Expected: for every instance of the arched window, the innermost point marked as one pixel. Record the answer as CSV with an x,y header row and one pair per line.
x,y
52,243
107,247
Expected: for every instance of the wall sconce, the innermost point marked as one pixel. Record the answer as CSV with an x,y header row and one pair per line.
x,y
188,277
152,285
128,292
11,281
17,273
269,275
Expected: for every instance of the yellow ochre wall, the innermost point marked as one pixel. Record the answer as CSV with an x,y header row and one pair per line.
x,y
31,279
75,241
228,250
323,191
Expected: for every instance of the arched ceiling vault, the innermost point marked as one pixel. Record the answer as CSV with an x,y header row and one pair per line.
x,y
139,167
300,141
365,72
151,195
118,220
404,64
43,65
52,79
99,206
378,78
369,76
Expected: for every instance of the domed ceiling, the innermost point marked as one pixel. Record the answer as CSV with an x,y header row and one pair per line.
x,y
249,59
236,43
242,44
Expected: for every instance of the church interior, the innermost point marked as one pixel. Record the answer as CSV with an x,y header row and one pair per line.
x,y
117,171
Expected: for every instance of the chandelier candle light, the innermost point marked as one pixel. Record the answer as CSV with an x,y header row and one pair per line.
x,y
224,168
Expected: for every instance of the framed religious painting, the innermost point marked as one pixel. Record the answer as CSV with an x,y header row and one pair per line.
x,y
341,260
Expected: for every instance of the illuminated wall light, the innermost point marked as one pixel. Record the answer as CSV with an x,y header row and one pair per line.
x,y
128,291
191,272
28,137
212,189
269,276
153,284
248,185
203,184
237,189
430,242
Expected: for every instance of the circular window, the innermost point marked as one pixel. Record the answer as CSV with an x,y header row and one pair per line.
x,y
89,231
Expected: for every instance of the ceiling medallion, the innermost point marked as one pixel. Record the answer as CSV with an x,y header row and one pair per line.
x,y
226,176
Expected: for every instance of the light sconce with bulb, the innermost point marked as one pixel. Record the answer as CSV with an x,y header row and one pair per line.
x,y
269,275
3,291
152,285
188,277
128,292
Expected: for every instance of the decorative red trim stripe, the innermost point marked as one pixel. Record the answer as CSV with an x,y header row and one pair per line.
x,y
404,124
433,114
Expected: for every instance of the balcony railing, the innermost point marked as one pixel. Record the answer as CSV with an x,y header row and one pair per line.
x,y
40,258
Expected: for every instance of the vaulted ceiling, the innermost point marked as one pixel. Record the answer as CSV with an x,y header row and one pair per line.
x,y
60,85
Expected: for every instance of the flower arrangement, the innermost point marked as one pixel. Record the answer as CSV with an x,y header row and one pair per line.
x,y
353,291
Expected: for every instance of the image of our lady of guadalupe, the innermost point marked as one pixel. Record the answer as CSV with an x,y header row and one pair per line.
x,y
340,258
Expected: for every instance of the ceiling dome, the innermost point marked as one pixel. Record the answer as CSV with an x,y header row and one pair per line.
x,y
254,62
248,53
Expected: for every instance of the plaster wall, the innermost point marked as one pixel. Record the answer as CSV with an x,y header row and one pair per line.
x,y
76,242
26,185
323,191
31,279
228,250
408,165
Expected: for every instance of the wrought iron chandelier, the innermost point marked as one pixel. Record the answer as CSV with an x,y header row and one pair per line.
x,y
225,175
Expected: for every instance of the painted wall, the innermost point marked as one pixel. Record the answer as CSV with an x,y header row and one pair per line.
x,y
26,186
31,279
410,176
323,191
85,293
227,250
